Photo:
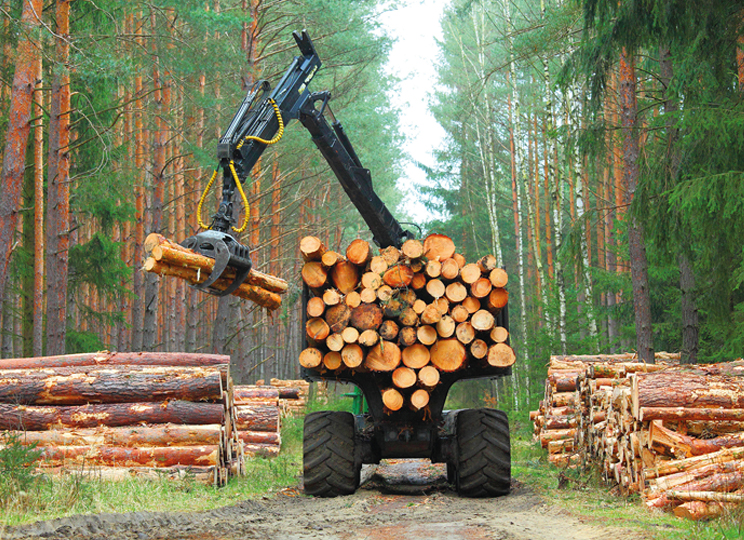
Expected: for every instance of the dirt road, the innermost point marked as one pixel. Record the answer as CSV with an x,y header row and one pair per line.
x,y
399,501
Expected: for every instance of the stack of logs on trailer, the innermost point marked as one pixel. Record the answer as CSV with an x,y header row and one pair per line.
x,y
412,313
672,433
118,415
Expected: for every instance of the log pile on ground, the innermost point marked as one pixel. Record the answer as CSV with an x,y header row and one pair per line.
x,y
118,415
293,394
411,313
168,258
674,434
258,419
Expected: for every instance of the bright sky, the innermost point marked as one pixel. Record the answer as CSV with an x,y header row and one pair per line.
x,y
415,26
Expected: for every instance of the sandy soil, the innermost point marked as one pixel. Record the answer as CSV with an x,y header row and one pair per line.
x,y
398,501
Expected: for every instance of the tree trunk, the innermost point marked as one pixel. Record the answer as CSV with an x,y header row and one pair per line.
x,y
636,241
16,141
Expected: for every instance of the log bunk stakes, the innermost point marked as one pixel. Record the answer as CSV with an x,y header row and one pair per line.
x,y
672,433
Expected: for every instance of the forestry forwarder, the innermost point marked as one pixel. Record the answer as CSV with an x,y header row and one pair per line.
x,y
474,443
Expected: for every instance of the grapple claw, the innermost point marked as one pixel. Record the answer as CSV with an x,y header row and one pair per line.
x,y
227,253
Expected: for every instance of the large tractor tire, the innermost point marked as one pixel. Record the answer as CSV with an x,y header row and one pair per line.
x,y
330,467
483,464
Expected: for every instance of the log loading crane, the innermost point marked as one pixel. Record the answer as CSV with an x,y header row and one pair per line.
x,y
474,443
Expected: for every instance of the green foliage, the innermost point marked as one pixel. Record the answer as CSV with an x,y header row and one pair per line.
x,y
16,467
98,262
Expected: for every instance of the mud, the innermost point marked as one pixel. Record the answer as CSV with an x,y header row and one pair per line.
x,y
400,501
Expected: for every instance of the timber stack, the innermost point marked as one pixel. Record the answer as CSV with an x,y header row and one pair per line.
x,y
408,314
258,419
294,394
167,258
118,415
673,434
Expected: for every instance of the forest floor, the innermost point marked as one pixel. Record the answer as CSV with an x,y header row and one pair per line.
x,y
399,500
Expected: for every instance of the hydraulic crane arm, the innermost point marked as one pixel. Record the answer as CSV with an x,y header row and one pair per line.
x,y
258,123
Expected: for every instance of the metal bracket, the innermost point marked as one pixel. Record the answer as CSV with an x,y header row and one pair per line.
x,y
227,253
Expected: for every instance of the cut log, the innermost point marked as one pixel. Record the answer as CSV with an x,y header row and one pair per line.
x,y
352,355
332,360
392,399
315,307
482,321
479,349
431,315
312,248
433,269
126,436
498,277
314,274
338,317
368,338
398,276
371,280
353,299
459,259
471,304
378,265
481,288
412,248
244,393
366,317
106,358
446,326
249,418
384,293
260,437
388,330
459,313
162,249
415,356
419,306
385,356
367,296
407,336
345,276
668,441
311,358
335,342
350,334
34,418
330,258
455,292
91,384
448,355
497,299
408,317
418,281
707,496
427,334
438,247
450,269
390,254
465,333
331,297
258,295
689,413
442,304
404,377
436,288
419,399
470,273
698,510
317,329
501,355
428,376
499,334
358,252
59,456
261,450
